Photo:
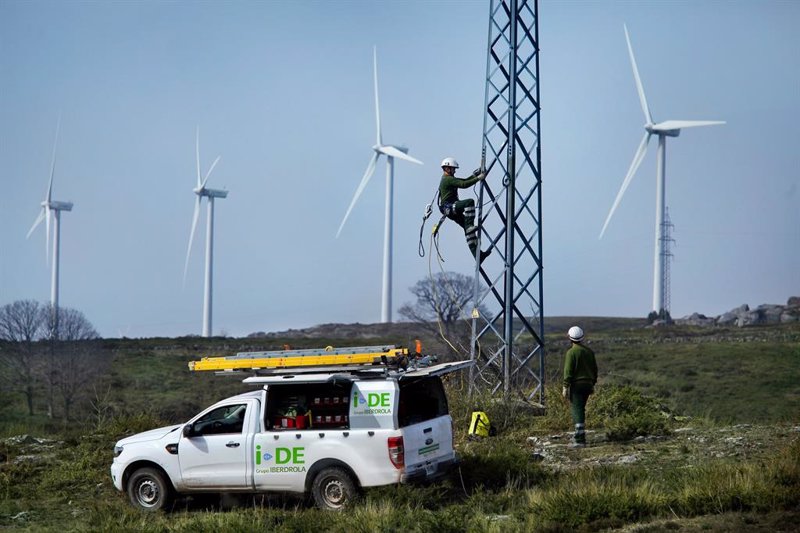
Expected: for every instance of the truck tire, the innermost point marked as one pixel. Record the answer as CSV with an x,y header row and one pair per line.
x,y
333,489
148,490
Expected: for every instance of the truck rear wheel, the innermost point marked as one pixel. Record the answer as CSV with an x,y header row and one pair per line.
x,y
333,489
148,490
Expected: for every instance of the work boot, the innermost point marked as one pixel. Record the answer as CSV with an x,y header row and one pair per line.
x,y
484,255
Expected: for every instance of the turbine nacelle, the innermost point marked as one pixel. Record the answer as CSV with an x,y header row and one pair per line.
x,y
655,129
57,206
381,148
210,193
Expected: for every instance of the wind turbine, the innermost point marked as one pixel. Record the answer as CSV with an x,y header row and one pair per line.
x,y
52,208
391,152
669,128
202,191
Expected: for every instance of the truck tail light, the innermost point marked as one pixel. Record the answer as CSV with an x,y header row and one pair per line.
x,y
397,452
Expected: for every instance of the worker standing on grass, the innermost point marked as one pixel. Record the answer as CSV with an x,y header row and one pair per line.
x,y
462,212
580,376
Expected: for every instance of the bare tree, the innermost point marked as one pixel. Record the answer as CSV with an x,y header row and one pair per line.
x,y
444,307
22,324
73,360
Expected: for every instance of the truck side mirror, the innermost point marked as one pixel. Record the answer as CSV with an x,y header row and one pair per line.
x,y
188,431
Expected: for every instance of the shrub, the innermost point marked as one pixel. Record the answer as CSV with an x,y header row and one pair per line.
x,y
626,413
125,425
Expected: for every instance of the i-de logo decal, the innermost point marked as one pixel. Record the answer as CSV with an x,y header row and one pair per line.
x,y
290,459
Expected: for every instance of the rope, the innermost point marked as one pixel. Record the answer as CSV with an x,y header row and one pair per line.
x,y
425,216
436,300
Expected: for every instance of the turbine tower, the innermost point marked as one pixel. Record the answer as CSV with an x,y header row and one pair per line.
x,y
669,128
390,152
202,191
52,208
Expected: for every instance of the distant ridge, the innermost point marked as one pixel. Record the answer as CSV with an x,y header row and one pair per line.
x,y
411,329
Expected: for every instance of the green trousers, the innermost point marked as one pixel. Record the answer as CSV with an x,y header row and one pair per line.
x,y
578,395
464,215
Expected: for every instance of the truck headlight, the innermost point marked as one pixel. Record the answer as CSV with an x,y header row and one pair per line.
x,y
117,451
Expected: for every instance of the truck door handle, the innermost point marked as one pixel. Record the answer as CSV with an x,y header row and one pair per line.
x,y
232,444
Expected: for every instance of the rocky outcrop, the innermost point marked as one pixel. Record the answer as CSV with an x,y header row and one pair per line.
x,y
744,316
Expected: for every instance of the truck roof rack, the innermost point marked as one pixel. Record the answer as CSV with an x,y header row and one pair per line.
x,y
327,359
359,373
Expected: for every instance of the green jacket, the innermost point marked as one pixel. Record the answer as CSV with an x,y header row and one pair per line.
x,y
448,188
579,365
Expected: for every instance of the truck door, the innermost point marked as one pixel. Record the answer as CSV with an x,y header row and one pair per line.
x,y
214,456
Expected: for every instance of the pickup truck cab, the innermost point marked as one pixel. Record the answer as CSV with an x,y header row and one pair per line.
x,y
329,434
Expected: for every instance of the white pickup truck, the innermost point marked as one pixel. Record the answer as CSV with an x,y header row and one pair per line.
x,y
329,434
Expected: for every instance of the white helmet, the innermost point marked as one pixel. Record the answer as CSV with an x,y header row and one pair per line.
x,y
449,162
575,334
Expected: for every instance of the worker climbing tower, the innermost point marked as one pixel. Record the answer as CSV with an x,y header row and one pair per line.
x,y
508,342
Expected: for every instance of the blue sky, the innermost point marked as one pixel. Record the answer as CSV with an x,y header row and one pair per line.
x,y
283,92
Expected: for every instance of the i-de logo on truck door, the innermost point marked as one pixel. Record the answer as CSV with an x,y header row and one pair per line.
x,y
290,459
372,403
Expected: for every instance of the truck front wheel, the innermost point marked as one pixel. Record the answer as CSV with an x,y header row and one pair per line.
x,y
333,489
148,490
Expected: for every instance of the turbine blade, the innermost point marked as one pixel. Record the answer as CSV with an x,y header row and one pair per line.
x,y
47,216
197,156
680,124
191,237
393,151
637,160
208,174
377,106
639,88
360,189
35,224
53,162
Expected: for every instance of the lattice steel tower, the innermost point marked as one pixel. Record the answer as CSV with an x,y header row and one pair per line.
x,y
666,257
508,342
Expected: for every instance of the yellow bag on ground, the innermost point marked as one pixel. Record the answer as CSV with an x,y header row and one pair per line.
x,y
479,426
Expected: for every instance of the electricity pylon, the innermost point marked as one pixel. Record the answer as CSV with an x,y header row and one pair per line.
x,y
508,343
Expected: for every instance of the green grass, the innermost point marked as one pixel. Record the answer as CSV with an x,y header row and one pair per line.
x,y
497,488
648,377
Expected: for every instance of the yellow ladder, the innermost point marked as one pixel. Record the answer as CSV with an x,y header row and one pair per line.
x,y
363,355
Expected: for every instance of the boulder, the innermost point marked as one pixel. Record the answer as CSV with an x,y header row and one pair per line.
x,y
696,319
790,315
751,318
733,316
793,301
770,314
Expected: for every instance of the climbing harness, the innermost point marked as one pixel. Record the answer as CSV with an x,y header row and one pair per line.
x,y
435,231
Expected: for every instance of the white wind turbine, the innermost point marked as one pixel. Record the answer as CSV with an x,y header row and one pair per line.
x,y
390,152
52,208
669,128
202,191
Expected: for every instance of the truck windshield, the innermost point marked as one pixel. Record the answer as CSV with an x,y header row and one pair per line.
x,y
421,400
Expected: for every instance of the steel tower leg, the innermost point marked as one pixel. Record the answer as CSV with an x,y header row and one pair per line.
x,y
508,340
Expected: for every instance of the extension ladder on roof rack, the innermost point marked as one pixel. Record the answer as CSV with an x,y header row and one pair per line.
x,y
302,360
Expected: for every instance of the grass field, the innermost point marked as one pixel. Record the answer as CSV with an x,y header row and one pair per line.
x,y
733,464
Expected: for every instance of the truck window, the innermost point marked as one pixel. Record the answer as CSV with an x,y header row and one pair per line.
x,y
308,406
227,419
420,400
